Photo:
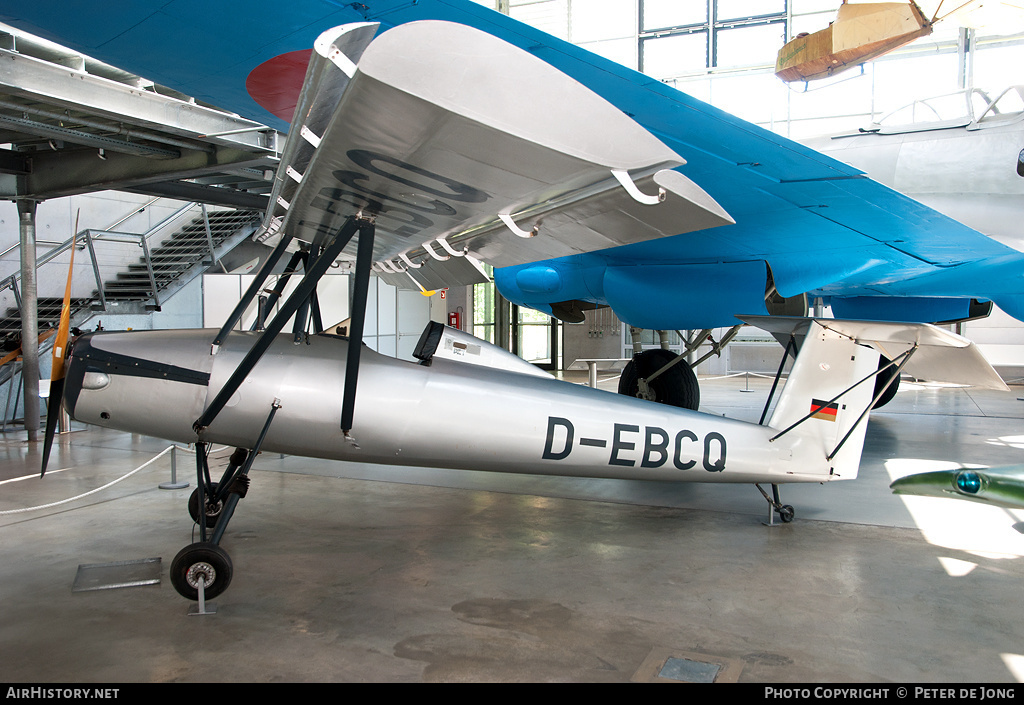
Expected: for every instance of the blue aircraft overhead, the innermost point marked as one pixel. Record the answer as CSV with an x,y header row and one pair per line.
x,y
804,222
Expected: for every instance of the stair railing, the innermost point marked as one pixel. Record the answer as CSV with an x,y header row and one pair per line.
x,y
93,236
86,240
209,240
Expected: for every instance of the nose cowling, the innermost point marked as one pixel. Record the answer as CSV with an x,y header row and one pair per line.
x,y
151,382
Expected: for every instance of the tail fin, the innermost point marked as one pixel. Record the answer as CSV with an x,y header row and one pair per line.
x,y
823,407
819,408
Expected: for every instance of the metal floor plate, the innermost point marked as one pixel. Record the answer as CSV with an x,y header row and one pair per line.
x,y
675,666
683,669
120,574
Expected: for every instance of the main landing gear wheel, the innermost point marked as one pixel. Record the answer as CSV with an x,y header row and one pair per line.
x,y
786,513
676,386
206,561
213,509
884,377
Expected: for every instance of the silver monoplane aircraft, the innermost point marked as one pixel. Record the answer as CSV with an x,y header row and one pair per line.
x,y
439,178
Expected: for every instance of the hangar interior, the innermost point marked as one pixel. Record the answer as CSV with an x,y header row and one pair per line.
x,y
357,572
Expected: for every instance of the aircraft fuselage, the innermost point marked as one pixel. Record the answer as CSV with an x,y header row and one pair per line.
x,y
446,414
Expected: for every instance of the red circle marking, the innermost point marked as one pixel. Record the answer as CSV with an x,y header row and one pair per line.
x,y
276,83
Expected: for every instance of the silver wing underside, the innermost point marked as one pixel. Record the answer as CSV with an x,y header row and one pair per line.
x,y
462,148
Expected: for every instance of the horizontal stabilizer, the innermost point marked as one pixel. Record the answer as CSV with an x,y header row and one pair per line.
x,y
940,355
455,142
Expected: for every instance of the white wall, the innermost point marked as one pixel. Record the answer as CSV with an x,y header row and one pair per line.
x,y
394,322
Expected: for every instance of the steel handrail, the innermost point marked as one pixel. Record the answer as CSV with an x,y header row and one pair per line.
x,y
89,235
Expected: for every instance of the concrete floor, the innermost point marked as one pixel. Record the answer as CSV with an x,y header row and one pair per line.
x,y
361,573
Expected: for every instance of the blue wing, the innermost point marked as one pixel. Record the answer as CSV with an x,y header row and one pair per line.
x,y
805,223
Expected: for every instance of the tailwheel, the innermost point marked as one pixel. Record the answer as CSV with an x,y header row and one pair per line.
x,y
775,506
213,508
203,561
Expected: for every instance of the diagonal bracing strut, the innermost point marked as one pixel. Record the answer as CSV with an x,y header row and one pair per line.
x,y
352,226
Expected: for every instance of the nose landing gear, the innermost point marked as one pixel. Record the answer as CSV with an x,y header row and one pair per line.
x,y
203,570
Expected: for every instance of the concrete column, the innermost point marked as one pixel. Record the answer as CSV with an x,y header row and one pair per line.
x,y
29,317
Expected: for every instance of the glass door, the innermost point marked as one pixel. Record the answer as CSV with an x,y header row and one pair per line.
x,y
536,338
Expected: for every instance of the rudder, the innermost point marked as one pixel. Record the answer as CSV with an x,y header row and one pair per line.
x,y
822,402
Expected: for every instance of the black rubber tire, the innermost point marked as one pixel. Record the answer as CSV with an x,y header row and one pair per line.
x,y
786,513
880,381
204,558
211,515
676,387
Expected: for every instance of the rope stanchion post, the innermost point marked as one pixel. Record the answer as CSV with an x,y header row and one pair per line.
x,y
174,484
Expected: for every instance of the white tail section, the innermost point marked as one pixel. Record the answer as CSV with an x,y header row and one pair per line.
x,y
814,412
822,401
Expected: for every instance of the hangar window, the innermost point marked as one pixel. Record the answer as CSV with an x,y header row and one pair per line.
x,y
531,335
662,38
731,33
723,52
671,13
485,303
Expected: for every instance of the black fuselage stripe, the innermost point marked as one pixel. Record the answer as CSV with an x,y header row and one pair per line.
x,y
127,366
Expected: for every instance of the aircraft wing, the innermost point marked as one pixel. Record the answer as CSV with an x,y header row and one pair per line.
x,y
419,130
804,222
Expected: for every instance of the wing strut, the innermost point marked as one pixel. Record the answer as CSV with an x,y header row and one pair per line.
x,y
364,261
298,257
301,294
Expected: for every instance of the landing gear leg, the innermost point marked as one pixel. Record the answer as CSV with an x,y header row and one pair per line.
x,y
203,570
785,511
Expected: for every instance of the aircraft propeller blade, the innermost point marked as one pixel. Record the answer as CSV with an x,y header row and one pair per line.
x,y
60,349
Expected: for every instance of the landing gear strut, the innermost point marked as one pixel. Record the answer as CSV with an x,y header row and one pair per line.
x,y
204,563
203,569
775,505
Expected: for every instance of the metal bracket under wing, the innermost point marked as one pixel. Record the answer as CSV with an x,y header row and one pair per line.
x,y
434,146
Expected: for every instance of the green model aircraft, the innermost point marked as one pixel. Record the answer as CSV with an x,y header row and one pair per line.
x,y
1000,487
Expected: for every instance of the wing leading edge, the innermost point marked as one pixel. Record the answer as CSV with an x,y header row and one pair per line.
x,y
462,147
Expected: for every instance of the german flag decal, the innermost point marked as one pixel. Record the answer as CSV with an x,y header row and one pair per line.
x,y
823,410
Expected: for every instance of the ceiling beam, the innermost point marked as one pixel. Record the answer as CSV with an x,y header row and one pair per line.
x,y
211,195
72,172
36,80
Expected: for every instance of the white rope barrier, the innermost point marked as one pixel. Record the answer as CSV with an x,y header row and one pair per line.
x,y
98,489
113,482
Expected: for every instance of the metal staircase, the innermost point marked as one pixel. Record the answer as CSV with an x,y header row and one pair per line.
x,y
193,247
174,252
